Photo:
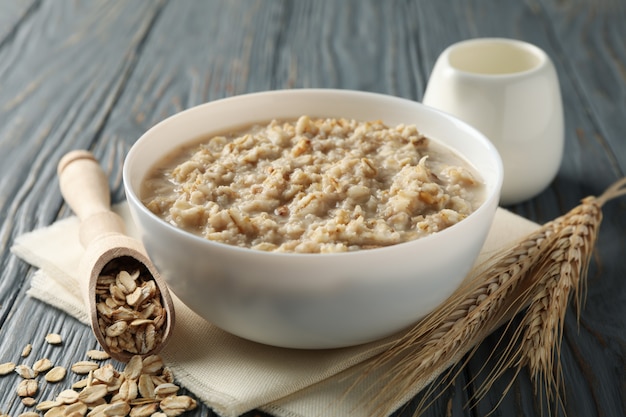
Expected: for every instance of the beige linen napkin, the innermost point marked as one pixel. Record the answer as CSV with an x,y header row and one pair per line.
x,y
229,374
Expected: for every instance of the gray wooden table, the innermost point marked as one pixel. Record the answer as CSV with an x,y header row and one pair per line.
x,y
96,74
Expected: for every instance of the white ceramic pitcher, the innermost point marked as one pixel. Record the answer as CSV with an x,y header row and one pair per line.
x,y
509,90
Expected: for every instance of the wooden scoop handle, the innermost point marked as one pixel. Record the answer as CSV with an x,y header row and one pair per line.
x,y
85,188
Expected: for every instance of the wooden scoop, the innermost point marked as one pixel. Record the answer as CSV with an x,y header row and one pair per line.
x,y
108,251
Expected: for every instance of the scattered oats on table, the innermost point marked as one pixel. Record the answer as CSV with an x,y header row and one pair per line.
x,y
27,388
68,396
145,387
47,405
25,371
6,368
26,351
29,401
56,374
84,367
42,365
54,339
97,355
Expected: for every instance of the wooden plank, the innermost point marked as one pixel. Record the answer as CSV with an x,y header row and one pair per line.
x,y
55,97
591,39
61,72
12,15
585,142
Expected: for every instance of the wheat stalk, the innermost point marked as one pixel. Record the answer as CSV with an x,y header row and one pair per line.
x,y
473,311
540,273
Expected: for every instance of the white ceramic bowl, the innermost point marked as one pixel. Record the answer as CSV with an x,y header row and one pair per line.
x,y
312,300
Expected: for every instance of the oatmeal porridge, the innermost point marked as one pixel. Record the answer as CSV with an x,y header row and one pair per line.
x,y
314,186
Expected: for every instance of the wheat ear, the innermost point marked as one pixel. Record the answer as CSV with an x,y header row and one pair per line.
x,y
540,271
472,312
537,342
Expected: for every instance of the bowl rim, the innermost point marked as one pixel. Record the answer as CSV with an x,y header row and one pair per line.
x,y
132,194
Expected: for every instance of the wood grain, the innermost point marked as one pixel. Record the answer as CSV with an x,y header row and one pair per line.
x,y
96,74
